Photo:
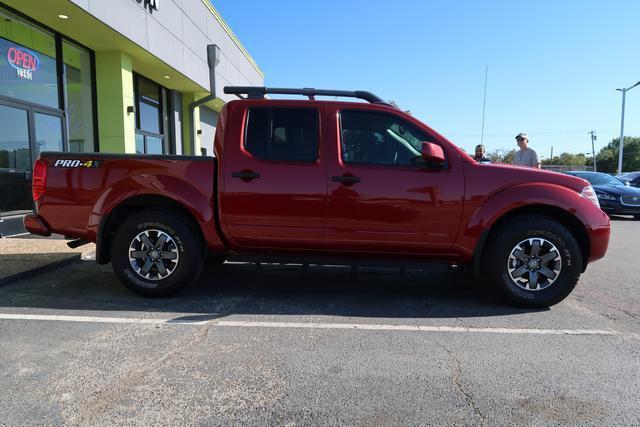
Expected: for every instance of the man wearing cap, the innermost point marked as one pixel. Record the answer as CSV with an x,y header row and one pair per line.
x,y
525,156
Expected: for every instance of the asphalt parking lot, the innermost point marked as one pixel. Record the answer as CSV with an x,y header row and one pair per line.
x,y
283,345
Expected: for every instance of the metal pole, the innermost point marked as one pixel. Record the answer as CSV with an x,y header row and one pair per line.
x,y
621,149
484,103
593,150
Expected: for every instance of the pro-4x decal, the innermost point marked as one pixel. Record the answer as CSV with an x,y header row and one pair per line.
x,y
66,163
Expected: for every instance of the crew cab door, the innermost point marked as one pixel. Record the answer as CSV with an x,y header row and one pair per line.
x,y
273,181
383,197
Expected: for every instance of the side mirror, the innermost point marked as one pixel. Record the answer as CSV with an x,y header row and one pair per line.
x,y
432,153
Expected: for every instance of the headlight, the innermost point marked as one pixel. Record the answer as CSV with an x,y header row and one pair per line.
x,y
588,193
605,196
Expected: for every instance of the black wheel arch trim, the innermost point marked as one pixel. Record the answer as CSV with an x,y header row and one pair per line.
x,y
103,240
567,219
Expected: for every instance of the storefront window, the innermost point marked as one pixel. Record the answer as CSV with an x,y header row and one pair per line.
x,y
77,72
150,124
139,143
149,104
27,62
48,132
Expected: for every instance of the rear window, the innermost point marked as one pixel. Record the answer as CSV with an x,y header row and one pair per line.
x,y
284,134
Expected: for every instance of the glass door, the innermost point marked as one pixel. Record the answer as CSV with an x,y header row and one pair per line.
x,y
26,132
15,161
47,133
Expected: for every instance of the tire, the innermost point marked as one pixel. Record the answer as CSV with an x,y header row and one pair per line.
x,y
159,271
512,251
636,217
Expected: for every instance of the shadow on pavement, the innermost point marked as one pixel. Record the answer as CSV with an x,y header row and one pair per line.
x,y
621,218
245,289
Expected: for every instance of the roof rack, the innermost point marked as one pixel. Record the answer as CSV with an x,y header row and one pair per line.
x,y
258,92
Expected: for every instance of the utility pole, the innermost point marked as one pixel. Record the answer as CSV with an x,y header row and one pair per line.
x,y
484,102
621,149
551,158
594,137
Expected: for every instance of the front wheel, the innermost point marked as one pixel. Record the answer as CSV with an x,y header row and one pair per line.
x,y
156,254
534,261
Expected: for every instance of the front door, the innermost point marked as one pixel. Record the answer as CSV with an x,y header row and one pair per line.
x,y
383,198
26,131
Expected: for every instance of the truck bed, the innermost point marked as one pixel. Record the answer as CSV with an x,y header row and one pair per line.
x,y
84,189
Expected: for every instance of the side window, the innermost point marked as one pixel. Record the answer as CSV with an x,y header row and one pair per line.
x,y
379,139
282,134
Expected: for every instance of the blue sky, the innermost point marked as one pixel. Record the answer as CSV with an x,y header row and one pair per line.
x,y
553,65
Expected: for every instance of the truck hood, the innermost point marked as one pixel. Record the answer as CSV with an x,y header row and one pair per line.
x,y
521,174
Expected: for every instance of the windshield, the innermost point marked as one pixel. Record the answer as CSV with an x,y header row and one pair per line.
x,y
599,178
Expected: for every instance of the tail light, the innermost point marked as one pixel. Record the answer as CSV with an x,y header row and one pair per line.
x,y
39,182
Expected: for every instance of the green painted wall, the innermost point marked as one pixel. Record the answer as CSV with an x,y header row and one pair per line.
x,y
114,87
188,129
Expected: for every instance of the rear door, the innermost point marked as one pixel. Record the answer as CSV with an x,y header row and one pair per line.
x,y
382,197
273,176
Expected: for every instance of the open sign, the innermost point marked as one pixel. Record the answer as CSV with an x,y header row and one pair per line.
x,y
22,59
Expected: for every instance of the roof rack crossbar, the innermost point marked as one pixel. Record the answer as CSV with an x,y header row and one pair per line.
x,y
258,92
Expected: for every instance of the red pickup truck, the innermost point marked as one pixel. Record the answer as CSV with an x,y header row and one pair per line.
x,y
322,181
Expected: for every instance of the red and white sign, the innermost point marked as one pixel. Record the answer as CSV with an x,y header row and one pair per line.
x,y
24,61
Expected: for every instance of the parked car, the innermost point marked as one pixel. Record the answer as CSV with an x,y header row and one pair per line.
x,y
633,178
614,195
323,182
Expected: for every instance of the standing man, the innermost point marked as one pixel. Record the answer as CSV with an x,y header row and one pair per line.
x,y
525,156
479,156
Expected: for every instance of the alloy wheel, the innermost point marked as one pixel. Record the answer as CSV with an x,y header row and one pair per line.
x,y
153,254
534,264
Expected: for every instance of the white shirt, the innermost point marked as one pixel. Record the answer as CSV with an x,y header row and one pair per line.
x,y
528,157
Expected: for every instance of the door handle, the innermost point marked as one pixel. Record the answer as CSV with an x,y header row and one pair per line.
x,y
346,179
246,175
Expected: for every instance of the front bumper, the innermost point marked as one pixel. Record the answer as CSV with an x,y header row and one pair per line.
x,y
35,224
615,207
598,226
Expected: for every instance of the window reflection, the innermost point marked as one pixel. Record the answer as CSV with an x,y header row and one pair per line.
x,y
32,76
77,71
150,106
48,132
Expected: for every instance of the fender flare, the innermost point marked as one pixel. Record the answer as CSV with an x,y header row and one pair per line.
x,y
506,202
199,205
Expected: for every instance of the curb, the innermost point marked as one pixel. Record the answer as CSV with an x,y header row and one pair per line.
x,y
41,269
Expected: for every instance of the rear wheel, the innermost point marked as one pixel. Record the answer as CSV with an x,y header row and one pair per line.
x,y
156,254
534,261
637,217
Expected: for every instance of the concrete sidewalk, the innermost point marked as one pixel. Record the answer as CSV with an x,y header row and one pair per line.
x,y
25,256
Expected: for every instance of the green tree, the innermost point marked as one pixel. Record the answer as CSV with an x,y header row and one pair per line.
x,y
396,105
607,158
501,155
567,159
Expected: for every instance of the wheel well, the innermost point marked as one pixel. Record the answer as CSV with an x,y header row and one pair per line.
x,y
110,223
565,218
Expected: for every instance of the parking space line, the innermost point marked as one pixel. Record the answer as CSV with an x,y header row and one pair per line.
x,y
311,325
416,328
99,319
